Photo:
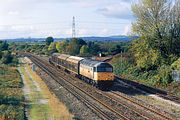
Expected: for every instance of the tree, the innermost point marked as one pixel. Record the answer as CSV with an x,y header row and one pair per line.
x,y
49,40
146,57
158,20
93,48
1,54
84,50
62,46
52,48
81,42
3,45
6,57
176,65
74,46
158,28
174,29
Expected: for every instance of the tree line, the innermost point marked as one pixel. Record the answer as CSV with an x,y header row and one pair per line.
x,y
6,56
77,46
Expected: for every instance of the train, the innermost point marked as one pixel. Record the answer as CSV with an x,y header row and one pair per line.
x,y
97,73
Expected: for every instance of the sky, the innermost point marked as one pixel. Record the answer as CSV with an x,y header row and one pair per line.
x,y
43,18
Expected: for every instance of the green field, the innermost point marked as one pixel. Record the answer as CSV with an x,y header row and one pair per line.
x,y
11,94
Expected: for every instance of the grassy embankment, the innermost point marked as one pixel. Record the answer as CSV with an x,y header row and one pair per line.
x,y
124,67
42,103
11,94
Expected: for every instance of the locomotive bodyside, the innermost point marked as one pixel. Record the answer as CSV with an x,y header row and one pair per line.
x,y
103,72
97,73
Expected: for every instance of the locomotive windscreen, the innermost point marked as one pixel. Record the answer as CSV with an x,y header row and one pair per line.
x,y
104,69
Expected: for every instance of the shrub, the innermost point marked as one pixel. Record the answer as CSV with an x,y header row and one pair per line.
x,y
176,65
11,95
163,77
9,112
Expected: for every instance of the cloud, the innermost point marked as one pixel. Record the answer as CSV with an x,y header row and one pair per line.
x,y
82,32
104,31
127,30
120,11
13,13
38,17
68,31
22,28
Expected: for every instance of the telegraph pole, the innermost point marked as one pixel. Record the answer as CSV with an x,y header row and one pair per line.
x,y
73,28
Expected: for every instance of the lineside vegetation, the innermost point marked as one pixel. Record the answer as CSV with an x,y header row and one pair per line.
x,y
11,94
152,57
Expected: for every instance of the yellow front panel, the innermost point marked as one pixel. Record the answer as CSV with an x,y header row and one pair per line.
x,y
87,72
103,76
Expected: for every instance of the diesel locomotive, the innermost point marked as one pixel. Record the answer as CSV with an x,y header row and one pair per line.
x,y
97,73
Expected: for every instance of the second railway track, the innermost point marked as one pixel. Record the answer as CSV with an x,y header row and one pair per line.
x,y
148,89
138,105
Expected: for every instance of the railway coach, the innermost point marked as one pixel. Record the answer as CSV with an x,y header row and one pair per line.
x,y
96,73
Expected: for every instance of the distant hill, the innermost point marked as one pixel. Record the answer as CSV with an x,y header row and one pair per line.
x,y
111,38
26,40
93,38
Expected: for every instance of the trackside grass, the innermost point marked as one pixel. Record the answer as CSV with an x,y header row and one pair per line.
x,y
41,103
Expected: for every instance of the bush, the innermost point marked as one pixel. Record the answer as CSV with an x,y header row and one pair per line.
x,y
10,112
11,94
176,65
15,60
6,57
10,78
163,77
146,58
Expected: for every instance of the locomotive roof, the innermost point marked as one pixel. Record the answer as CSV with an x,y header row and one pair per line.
x,y
74,59
63,56
94,63
69,58
56,54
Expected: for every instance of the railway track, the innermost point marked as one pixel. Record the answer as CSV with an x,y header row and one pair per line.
x,y
169,97
73,89
135,114
144,106
149,89
109,106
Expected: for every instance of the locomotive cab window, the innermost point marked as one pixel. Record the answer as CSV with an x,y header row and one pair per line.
x,y
103,69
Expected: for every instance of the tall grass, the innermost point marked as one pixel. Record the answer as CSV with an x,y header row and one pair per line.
x,y
43,104
11,95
